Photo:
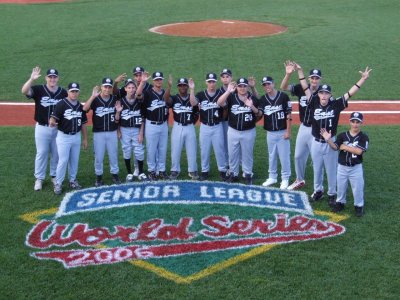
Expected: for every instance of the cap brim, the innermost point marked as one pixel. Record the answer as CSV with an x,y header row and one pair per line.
x,y
214,80
74,89
137,72
52,75
185,84
358,119
107,84
239,84
314,75
325,91
265,82
155,78
226,73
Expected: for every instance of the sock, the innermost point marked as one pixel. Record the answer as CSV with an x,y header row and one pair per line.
x,y
128,165
140,165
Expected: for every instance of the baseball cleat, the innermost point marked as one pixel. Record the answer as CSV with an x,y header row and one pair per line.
x,y
194,175
136,172
359,211
75,185
248,179
129,178
174,175
331,200
53,180
316,196
203,176
298,184
38,185
142,177
152,176
232,178
223,176
115,179
284,184
339,206
269,181
57,189
162,175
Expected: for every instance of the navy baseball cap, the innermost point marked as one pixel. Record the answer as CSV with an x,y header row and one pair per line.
x,y
325,88
211,77
315,73
226,72
267,79
107,82
157,75
73,86
357,116
182,81
52,72
242,81
137,70
128,81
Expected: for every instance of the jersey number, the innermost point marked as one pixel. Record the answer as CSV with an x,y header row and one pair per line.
x,y
281,115
138,121
248,117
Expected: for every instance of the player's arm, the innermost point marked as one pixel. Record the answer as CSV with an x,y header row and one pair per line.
x,y
328,138
53,122
117,80
303,81
222,99
27,87
141,133
289,70
139,91
249,102
356,87
192,97
118,109
84,137
252,85
352,150
88,103
167,94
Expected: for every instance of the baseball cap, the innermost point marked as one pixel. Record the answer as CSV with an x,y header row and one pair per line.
x,y
107,82
182,81
242,81
325,88
137,70
52,72
128,81
157,75
316,73
357,116
267,79
226,71
73,86
211,77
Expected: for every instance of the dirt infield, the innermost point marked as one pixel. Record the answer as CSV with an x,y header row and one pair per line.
x,y
220,29
375,113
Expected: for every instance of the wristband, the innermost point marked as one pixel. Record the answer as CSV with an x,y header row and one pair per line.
x,y
348,93
357,85
306,89
303,78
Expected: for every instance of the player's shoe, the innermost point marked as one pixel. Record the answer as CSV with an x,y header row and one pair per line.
x,y
174,175
38,185
75,185
316,196
223,176
232,178
248,179
339,206
142,177
53,180
162,175
269,182
284,184
298,184
115,179
57,189
194,175
136,172
129,178
152,176
99,181
359,211
331,200
203,176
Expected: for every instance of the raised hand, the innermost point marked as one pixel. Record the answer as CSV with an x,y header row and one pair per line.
x,y
191,83
35,73
289,67
325,134
170,80
145,76
231,87
252,81
118,106
120,78
365,74
248,102
96,91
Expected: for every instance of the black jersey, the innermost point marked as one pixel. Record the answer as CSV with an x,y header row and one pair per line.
x,y
241,117
225,114
210,112
325,116
304,111
45,100
122,93
183,111
70,116
156,109
275,111
132,114
104,114
361,141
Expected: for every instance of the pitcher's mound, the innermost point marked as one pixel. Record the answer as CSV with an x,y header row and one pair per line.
x,y
220,29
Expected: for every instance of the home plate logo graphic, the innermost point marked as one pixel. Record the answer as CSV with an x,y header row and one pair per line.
x,y
182,230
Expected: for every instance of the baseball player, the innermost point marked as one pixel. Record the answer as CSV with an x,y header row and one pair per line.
x,y
46,96
131,115
70,119
183,131
351,145
304,137
105,125
277,110
156,126
243,115
211,131
325,115
226,78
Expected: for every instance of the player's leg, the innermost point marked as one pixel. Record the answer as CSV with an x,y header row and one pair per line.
x,y
112,150
64,146
177,141
356,178
163,147
205,147
191,148
248,138
317,153
331,164
74,160
272,144
234,150
225,127
283,147
42,140
219,149
302,151
127,147
151,135
342,183
138,149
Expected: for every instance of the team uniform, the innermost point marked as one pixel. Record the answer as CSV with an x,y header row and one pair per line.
x,y
70,118
241,135
321,153
225,126
183,133
211,131
45,136
275,110
122,93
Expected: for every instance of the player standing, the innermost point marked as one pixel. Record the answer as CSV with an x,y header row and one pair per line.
x,y
211,131
351,145
325,115
104,129
304,137
131,115
277,110
46,96
226,78
243,115
70,119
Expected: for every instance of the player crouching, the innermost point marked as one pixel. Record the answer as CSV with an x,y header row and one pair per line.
x,y
351,144
68,114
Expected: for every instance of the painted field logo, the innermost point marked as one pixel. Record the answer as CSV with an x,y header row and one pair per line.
x,y
181,230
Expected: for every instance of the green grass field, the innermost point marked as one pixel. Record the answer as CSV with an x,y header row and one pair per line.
x,y
87,40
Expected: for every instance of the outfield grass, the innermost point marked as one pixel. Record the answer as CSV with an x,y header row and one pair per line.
x,y
362,263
